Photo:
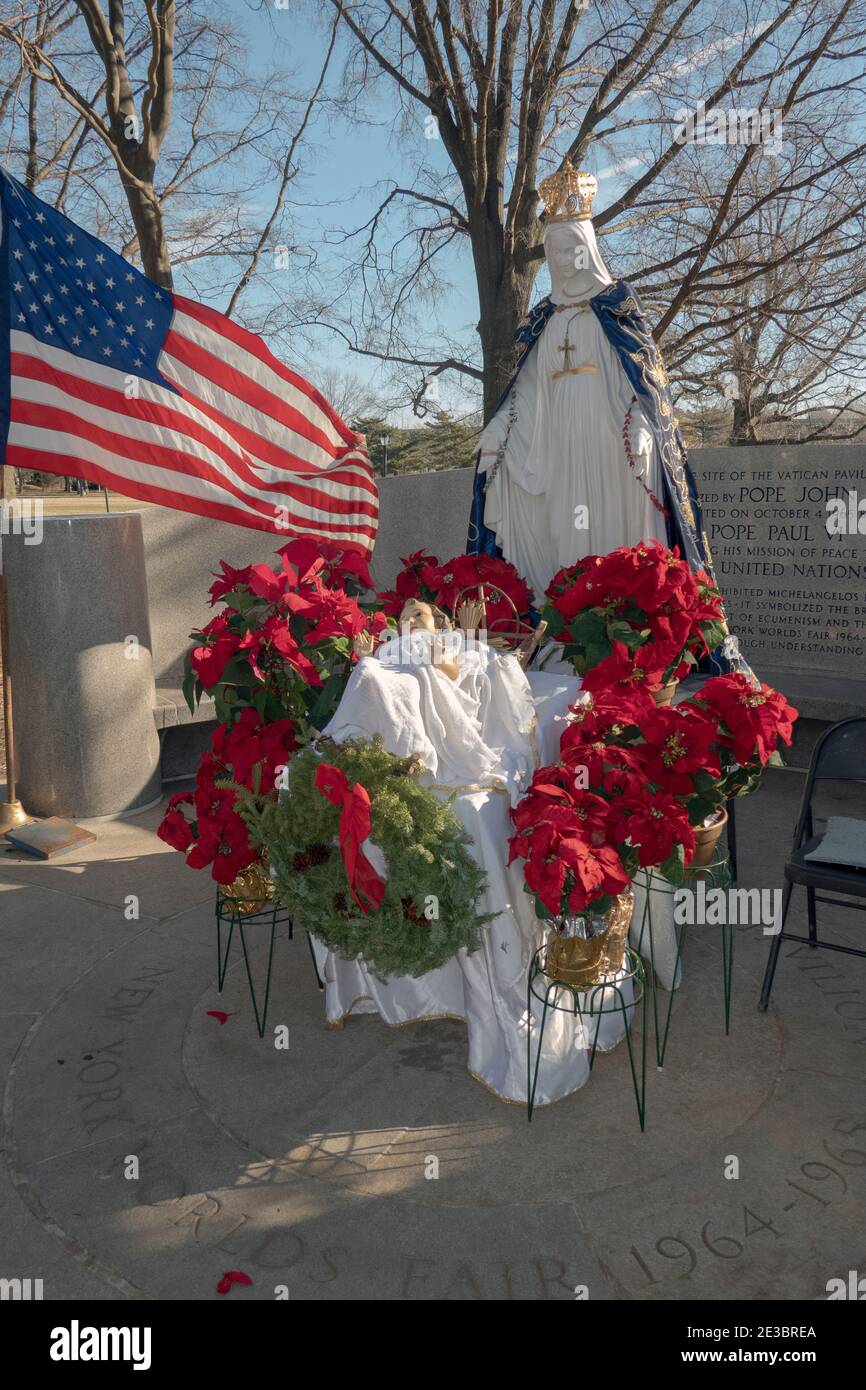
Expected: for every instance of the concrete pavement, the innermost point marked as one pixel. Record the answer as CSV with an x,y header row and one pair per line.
x,y
310,1168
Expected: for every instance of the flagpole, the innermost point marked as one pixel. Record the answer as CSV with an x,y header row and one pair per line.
x,y
12,813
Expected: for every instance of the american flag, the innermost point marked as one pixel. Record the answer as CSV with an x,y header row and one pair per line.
x,y
106,376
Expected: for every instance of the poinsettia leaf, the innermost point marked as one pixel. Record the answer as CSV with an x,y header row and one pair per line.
x,y
588,626
597,651
700,807
540,909
241,599
237,672
190,682
714,633
325,700
555,621
628,636
274,708
674,867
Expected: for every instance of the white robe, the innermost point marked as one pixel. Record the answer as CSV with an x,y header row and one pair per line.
x,y
565,451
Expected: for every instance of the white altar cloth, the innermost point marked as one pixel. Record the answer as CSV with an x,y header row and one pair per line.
x,y
487,989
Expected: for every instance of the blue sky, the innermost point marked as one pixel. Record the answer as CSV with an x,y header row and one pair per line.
x,y
356,165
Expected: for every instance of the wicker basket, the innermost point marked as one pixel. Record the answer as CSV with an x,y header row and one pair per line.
x,y
665,694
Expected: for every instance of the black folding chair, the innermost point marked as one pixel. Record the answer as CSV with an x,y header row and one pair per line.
x,y
840,756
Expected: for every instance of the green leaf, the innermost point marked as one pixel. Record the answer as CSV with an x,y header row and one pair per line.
x,y
326,699
555,621
588,626
190,682
714,633
596,652
699,807
674,867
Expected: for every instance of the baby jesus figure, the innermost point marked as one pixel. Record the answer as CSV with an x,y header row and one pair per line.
x,y
449,699
442,649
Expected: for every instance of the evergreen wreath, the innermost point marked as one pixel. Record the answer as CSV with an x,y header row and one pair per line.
x,y
428,911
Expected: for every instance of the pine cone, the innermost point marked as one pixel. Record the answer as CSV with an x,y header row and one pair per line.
x,y
411,913
301,861
318,853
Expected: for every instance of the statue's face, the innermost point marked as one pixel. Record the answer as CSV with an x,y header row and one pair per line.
x,y
417,616
566,252
573,258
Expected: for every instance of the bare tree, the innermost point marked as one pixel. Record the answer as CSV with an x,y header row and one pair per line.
x,y
163,90
775,324
348,393
512,87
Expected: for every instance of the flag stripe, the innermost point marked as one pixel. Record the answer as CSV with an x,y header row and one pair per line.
x,y
80,466
270,457
247,403
40,426
38,381
268,369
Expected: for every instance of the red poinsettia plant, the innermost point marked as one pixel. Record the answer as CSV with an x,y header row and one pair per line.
x,y
751,720
423,577
282,641
589,822
275,659
635,617
204,824
700,752
632,783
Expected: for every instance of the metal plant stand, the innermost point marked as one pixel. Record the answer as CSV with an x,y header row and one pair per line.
x,y
542,986
717,874
235,912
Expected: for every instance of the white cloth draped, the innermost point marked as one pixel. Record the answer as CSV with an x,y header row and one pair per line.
x,y
476,729
487,989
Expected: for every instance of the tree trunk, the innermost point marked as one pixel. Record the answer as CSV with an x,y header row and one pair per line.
x,y
743,426
503,296
150,229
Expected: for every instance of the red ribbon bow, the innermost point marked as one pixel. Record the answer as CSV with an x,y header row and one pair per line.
x,y
354,829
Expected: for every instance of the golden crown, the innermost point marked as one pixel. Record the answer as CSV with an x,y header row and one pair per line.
x,y
567,195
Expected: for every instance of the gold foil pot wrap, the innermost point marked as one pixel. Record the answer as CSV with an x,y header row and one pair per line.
x,y
582,963
252,890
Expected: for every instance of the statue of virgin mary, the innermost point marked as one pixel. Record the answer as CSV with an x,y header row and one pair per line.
x,y
583,453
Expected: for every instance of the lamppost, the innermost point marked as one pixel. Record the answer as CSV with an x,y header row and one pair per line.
x,y
384,440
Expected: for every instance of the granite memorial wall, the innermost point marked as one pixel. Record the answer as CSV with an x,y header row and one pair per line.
x,y
787,529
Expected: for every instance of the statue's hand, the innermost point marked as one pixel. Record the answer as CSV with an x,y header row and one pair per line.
x,y
364,644
443,662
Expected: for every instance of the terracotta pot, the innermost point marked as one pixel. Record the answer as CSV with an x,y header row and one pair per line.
x,y
252,890
706,839
582,963
665,695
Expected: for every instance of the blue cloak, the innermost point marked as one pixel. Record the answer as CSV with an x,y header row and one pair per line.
x,y
619,312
